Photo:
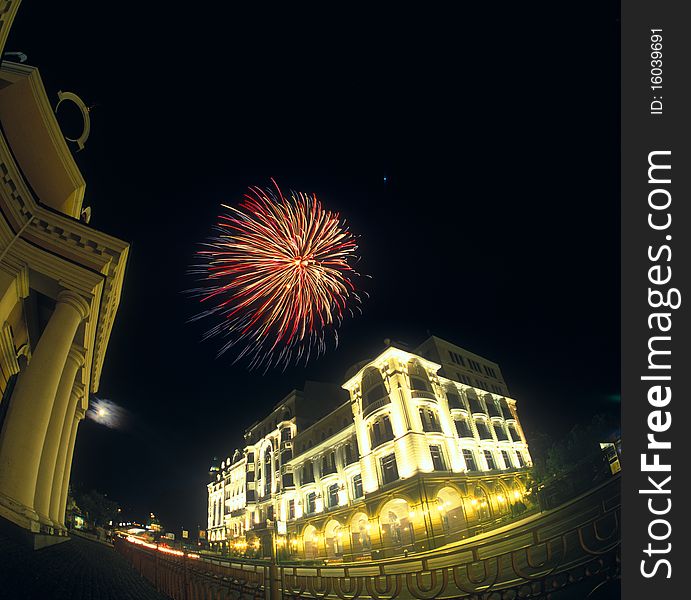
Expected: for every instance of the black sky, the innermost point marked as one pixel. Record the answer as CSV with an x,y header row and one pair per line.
x,y
498,228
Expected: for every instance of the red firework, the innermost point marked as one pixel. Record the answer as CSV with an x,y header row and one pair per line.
x,y
280,275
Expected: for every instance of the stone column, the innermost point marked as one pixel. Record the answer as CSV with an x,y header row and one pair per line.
x,y
46,488
78,416
28,416
61,461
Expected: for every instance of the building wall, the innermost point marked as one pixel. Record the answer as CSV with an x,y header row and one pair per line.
x,y
398,407
60,285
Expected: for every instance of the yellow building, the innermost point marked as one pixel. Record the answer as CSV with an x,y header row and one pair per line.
x,y
407,460
60,283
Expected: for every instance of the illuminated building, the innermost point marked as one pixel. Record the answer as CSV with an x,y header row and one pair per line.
x,y
60,283
405,460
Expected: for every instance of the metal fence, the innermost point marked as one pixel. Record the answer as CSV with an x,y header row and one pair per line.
x,y
564,553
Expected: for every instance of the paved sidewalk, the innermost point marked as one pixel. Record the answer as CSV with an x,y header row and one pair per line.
x,y
75,570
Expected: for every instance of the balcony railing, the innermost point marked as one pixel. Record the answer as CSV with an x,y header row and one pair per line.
x,y
424,395
376,405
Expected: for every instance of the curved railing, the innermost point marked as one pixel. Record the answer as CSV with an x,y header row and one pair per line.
x,y
574,546
376,405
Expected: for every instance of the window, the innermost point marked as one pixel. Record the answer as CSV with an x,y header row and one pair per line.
x,y
492,408
454,400
307,473
333,495
389,469
286,434
469,459
514,433
521,460
475,366
357,486
475,404
311,503
463,428
483,430
457,358
505,408
453,356
507,460
328,463
418,377
490,460
373,387
430,421
381,431
349,454
437,458
500,431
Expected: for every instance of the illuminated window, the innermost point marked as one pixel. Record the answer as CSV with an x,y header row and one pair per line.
x,y
469,459
373,388
350,452
311,503
328,463
492,408
463,428
454,400
418,377
357,486
389,469
490,460
483,430
507,460
437,458
430,421
521,460
381,431
500,431
514,433
332,496
307,473
475,404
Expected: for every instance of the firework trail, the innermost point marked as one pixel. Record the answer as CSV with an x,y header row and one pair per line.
x,y
278,276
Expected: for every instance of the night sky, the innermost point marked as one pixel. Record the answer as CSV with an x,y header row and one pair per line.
x,y
497,228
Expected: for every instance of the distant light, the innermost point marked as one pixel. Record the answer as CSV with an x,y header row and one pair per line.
x,y
385,178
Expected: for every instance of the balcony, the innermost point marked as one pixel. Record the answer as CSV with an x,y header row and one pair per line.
x,y
424,395
376,405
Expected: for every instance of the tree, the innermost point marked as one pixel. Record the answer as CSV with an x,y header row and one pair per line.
x,y
98,509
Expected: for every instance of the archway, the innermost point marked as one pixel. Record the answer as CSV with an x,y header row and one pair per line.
x,y
360,533
503,498
333,537
450,507
396,527
310,541
480,503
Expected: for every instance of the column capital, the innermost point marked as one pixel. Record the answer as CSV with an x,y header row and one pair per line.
x,y
74,300
79,413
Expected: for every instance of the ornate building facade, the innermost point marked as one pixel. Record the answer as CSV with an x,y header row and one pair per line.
x,y
407,456
60,284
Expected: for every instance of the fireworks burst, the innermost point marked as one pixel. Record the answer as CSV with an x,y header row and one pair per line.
x,y
280,275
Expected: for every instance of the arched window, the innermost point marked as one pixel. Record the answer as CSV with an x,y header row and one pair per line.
x,y
481,504
360,529
373,388
453,398
474,401
418,377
